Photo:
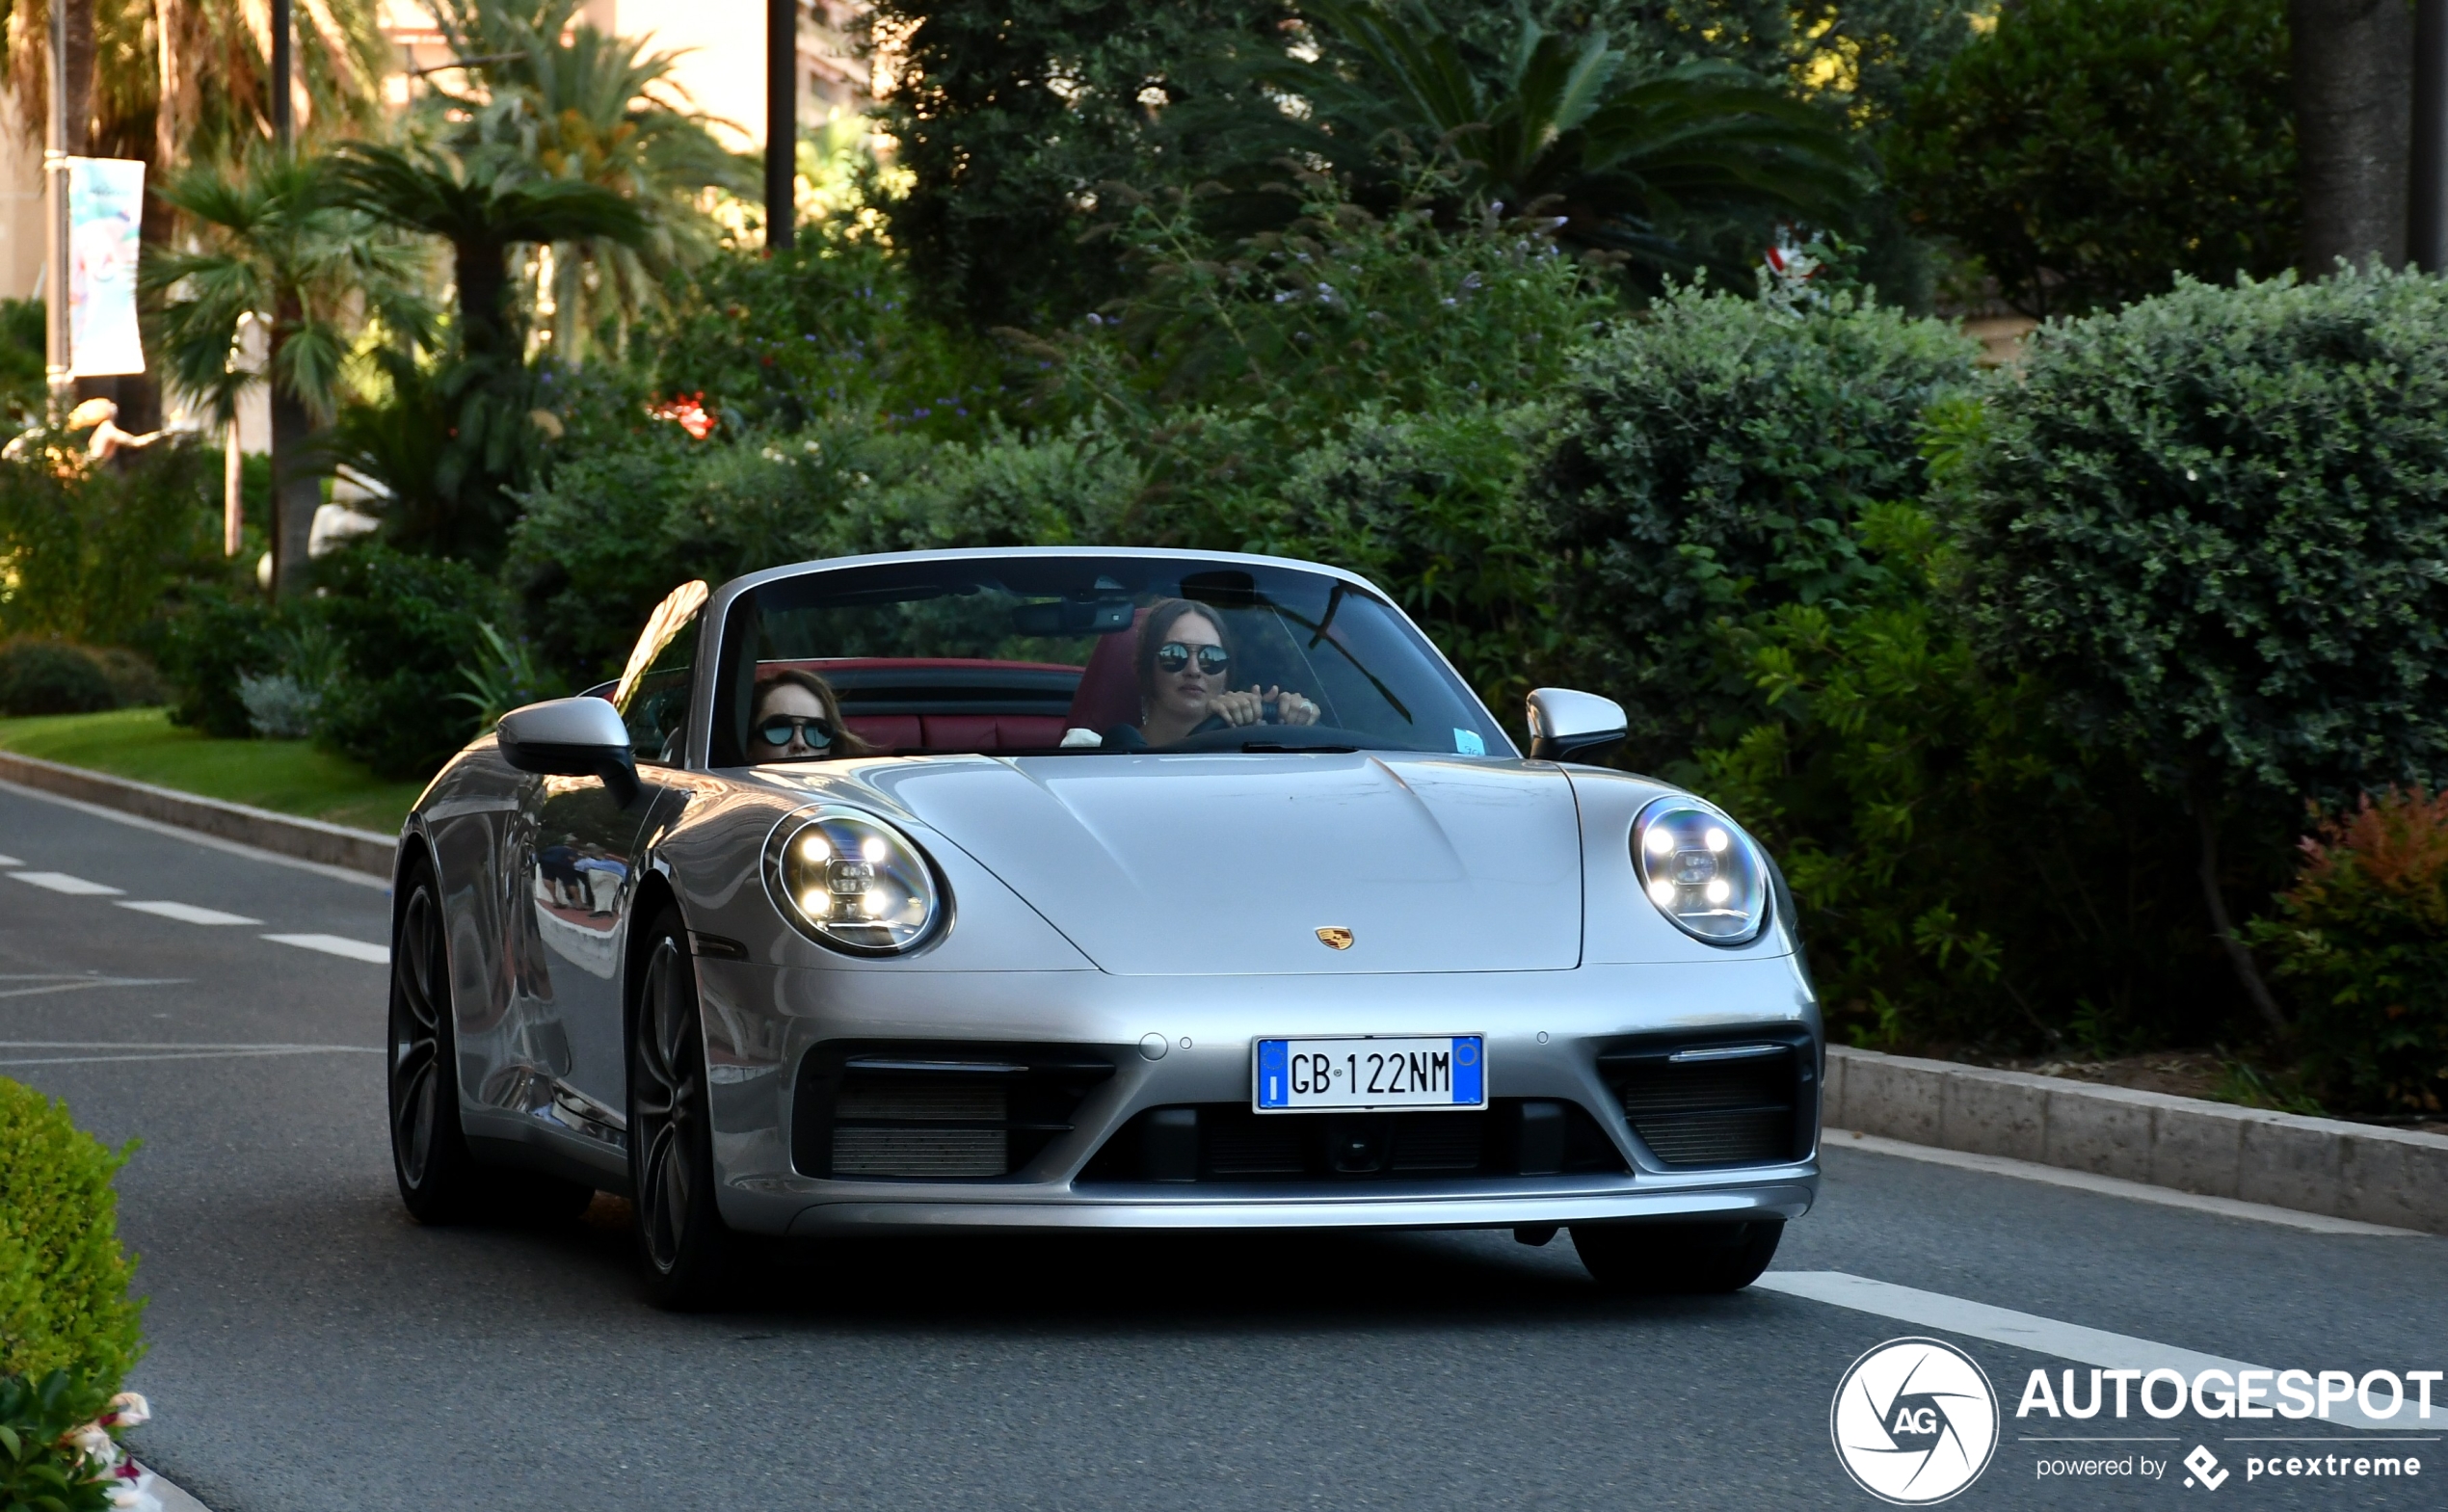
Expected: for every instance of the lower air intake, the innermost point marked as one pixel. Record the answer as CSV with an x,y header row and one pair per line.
x,y
933,1111
1717,1105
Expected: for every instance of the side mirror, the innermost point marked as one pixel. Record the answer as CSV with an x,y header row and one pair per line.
x,y
1566,726
573,738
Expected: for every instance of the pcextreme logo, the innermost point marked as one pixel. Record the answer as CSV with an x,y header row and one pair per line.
x,y
1914,1421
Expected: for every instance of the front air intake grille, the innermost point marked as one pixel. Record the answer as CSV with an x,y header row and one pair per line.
x,y
1728,1104
934,1112
1228,1143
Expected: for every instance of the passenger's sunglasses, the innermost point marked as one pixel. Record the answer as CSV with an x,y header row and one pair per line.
x,y
782,727
1171,657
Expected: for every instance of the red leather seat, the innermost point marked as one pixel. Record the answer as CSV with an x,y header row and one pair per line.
x,y
1109,693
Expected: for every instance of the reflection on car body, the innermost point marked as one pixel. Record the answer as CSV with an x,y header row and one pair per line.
x,y
908,893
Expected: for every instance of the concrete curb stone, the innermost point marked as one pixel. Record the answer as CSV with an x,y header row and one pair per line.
x,y
2384,1176
308,839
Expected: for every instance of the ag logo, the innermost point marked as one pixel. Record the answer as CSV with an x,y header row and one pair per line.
x,y
1914,1421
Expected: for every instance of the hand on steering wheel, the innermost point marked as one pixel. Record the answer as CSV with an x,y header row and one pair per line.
x,y
1250,706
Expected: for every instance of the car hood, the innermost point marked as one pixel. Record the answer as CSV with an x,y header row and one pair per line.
x,y
1202,865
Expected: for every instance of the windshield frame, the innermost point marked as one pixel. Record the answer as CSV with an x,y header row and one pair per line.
x,y
715,617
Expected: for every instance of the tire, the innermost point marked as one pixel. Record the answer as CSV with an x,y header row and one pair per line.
x,y
440,1181
1654,1260
684,1249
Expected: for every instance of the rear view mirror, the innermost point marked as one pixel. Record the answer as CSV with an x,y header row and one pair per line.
x,y
1566,726
573,738
1073,616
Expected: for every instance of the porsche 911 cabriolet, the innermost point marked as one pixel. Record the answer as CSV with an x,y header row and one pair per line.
x,y
1059,890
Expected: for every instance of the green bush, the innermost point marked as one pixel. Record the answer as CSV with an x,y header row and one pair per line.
x,y
407,628
2216,523
205,645
63,1302
1967,874
2089,151
52,677
89,557
1711,462
2359,944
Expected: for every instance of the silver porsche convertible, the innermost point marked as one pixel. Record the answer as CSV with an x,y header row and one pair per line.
x,y
1077,889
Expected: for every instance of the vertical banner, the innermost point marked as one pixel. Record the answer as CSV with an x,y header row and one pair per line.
x,y
106,207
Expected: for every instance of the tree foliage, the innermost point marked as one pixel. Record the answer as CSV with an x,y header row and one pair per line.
x,y
2088,152
1628,156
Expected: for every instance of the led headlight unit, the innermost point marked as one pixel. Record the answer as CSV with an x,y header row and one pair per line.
x,y
847,879
1701,871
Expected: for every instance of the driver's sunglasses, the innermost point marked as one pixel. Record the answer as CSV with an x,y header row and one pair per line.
x,y
782,727
1171,657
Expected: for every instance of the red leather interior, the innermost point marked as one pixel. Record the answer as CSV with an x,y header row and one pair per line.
x,y
957,731
1109,689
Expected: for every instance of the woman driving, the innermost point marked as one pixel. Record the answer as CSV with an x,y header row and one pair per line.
x,y
1185,664
798,720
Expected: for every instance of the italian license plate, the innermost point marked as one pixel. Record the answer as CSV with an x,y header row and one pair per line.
x,y
1375,1072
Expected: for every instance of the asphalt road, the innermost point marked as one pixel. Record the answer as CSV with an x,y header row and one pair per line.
x,y
312,1348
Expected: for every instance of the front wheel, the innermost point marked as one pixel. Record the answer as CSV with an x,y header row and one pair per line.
x,y
684,1248
1676,1259
438,1180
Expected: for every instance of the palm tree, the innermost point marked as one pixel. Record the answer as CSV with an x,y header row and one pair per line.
x,y
483,203
578,105
459,435
273,248
1566,128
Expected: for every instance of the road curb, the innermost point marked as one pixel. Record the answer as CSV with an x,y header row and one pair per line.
x,y
308,839
2384,1176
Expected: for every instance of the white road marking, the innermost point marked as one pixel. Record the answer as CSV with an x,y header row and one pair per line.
x,y
190,914
2109,1186
77,984
199,838
61,882
2048,1337
337,945
194,1052
10,860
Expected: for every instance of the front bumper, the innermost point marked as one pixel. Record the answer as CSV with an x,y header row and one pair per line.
x,y
1785,1192
1545,1031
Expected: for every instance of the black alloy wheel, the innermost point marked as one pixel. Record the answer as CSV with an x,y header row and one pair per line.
x,y
1676,1259
438,1180
686,1251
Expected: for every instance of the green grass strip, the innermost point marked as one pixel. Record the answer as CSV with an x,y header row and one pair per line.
x,y
284,776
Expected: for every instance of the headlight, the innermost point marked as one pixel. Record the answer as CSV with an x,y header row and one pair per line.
x,y
1701,870
849,880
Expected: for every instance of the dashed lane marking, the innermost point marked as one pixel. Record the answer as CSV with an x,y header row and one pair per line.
x,y
58,983
61,882
168,1049
337,945
2045,1335
190,914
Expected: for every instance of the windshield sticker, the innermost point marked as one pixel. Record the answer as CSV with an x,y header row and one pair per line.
x,y
1466,742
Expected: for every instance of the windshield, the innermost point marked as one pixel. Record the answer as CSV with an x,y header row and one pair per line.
x,y
1079,654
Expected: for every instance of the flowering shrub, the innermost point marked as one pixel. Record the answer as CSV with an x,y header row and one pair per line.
x,y
60,1449
2360,945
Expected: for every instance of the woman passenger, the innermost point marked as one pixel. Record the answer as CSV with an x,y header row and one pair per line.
x,y
798,719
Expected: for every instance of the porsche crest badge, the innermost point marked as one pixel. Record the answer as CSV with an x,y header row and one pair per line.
x,y
1334,937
